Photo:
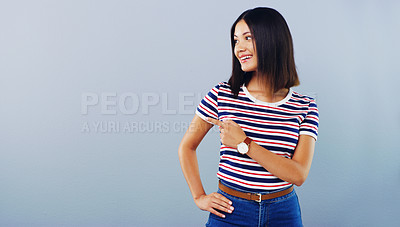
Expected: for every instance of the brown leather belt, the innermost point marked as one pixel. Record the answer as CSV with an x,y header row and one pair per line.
x,y
254,196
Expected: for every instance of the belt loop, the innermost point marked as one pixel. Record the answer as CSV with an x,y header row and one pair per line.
x,y
259,198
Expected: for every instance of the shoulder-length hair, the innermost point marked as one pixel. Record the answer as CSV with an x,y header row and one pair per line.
x,y
274,46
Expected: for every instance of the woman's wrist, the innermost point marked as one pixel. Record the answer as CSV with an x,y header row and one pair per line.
x,y
198,196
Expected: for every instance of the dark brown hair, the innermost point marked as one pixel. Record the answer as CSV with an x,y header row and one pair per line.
x,y
274,46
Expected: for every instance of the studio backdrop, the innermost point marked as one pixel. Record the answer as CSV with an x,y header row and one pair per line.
x,y
95,97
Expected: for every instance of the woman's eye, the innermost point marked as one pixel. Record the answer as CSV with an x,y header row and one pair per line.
x,y
248,37
235,41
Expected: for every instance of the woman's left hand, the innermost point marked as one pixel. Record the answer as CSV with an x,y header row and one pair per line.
x,y
231,133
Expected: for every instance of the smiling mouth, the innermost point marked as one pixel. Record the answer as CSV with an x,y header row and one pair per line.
x,y
245,58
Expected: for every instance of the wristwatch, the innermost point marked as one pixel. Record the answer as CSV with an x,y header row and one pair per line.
x,y
243,147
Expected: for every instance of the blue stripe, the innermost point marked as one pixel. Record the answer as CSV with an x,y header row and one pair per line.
x,y
245,189
209,106
251,179
252,168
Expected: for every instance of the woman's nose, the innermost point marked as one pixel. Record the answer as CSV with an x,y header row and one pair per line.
x,y
240,47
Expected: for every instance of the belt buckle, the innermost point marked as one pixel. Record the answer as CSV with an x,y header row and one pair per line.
x,y
259,197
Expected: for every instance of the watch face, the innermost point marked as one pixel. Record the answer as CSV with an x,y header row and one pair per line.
x,y
242,148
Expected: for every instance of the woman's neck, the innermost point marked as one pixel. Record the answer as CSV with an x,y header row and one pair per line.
x,y
263,91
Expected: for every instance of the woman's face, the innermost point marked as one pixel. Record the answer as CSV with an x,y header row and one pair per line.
x,y
245,50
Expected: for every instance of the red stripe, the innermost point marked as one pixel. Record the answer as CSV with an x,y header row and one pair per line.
x,y
254,113
226,147
227,157
228,91
260,141
240,171
301,97
309,126
296,104
211,102
256,185
292,103
213,114
263,106
265,122
284,133
316,119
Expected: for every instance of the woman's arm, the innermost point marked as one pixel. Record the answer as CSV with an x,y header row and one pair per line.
x,y
187,156
293,170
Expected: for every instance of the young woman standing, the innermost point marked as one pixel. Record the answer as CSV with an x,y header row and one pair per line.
x,y
267,130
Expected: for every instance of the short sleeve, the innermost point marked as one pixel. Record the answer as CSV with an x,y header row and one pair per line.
x,y
309,126
208,106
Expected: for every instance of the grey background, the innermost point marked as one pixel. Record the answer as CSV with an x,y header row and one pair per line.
x,y
52,52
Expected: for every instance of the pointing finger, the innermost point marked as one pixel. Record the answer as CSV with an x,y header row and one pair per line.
x,y
228,121
214,121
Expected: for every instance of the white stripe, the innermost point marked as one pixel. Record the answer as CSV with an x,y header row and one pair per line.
x,y
259,185
309,134
241,161
251,174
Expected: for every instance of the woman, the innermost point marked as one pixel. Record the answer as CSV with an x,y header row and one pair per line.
x,y
267,130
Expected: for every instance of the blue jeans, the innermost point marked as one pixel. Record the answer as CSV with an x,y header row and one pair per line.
x,y
281,211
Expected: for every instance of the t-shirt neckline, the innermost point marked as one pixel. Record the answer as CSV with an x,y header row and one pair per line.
x,y
274,104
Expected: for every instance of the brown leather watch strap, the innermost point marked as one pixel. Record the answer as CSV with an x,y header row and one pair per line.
x,y
248,141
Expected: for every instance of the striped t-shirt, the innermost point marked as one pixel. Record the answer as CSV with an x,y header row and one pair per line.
x,y
274,126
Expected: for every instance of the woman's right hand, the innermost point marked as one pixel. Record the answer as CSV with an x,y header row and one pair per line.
x,y
213,202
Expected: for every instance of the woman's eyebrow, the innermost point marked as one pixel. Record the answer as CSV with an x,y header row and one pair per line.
x,y
242,34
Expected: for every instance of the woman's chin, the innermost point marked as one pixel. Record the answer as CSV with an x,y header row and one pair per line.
x,y
247,69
